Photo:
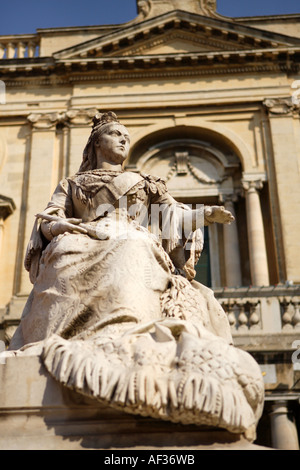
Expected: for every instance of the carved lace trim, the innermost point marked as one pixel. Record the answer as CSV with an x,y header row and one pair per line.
x,y
196,385
88,184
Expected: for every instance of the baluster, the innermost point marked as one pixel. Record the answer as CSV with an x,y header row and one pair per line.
x,y
254,314
287,315
231,315
31,49
10,51
21,48
242,317
2,50
296,316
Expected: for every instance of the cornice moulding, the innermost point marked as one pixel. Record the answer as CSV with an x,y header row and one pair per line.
x,y
80,75
258,60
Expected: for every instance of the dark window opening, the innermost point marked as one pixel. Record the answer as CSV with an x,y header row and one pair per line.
x,y
203,271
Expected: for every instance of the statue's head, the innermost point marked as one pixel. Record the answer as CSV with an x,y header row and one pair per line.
x,y
109,141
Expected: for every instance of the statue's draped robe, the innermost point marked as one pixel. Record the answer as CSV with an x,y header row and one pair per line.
x,y
120,317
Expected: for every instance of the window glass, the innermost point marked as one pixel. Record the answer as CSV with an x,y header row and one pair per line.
x,y
203,266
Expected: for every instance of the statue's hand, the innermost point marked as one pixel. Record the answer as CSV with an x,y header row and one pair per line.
x,y
217,214
66,225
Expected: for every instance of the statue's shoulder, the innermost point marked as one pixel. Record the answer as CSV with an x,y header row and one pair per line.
x,y
152,178
90,177
62,186
155,184
77,177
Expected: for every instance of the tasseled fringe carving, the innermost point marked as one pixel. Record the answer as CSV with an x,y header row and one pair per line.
x,y
179,396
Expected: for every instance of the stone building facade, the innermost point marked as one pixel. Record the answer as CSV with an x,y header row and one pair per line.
x,y
212,104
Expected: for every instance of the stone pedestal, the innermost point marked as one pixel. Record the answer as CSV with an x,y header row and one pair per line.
x,y
37,413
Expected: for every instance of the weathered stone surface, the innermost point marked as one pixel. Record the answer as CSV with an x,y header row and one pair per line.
x,y
176,78
115,308
38,413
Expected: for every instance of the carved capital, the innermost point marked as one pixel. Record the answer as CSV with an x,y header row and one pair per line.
x,y
7,207
45,121
281,106
80,117
70,117
227,199
252,185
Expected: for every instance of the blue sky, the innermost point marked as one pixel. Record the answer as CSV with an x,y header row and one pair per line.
x,y
25,16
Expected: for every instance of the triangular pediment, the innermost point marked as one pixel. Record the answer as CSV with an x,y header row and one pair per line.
x,y
177,32
176,41
170,45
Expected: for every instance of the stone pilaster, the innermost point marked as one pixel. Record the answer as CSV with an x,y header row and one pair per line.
x,y
284,124
40,179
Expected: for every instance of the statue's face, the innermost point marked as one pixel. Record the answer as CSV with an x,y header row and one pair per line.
x,y
113,144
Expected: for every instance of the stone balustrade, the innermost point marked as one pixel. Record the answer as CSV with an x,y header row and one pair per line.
x,y
243,314
269,310
19,47
260,317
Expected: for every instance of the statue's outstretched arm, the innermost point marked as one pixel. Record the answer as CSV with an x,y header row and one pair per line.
x,y
205,215
193,219
217,214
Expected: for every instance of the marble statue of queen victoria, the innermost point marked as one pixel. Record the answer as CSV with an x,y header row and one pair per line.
x,y
115,312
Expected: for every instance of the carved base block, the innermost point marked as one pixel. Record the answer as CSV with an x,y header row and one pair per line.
x,y
37,413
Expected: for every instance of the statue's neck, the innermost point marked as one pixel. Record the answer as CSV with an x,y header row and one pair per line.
x,y
104,165
113,164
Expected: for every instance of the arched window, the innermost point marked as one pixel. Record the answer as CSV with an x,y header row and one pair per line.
x,y
197,172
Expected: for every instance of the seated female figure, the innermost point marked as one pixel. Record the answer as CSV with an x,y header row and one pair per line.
x,y
115,309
